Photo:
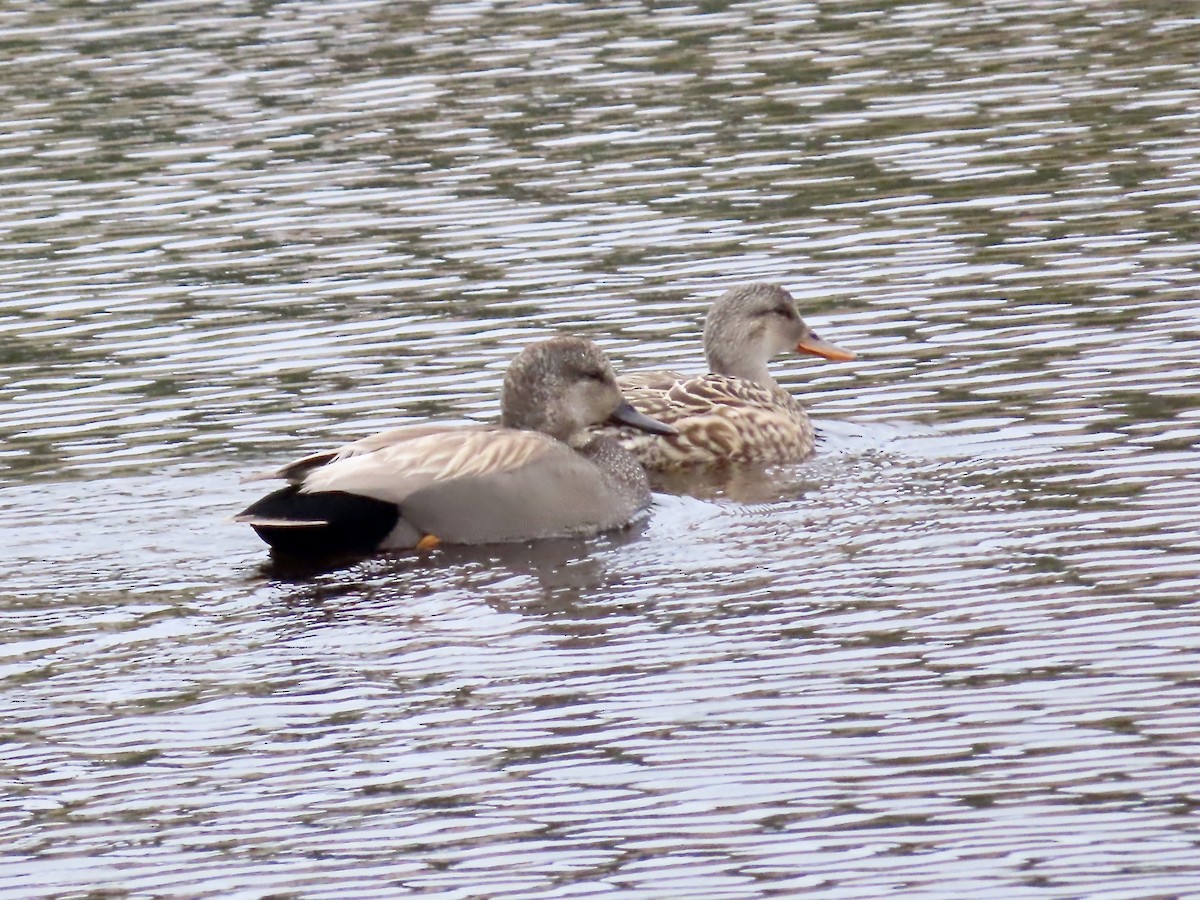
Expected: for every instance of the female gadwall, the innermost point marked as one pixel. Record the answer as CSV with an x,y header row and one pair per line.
x,y
538,474
738,413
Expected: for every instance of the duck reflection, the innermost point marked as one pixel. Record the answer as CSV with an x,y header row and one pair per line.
x,y
555,577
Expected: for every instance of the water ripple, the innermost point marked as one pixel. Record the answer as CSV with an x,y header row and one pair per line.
x,y
951,653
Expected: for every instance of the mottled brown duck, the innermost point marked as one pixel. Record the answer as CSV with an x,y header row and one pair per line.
x,y
738,412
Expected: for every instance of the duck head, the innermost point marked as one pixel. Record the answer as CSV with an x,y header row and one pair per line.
x,y
749,325
562,385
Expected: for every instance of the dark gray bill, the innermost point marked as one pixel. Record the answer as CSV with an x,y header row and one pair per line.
x,y
627,415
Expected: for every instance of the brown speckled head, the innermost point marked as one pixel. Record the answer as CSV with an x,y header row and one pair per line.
x,y
749,325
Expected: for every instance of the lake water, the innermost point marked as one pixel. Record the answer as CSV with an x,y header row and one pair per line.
x,y
956,652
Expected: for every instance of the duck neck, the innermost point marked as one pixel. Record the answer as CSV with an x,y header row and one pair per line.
x,y
543,421
746,369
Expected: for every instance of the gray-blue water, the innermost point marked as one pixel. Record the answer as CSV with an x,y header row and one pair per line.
x,y
954,653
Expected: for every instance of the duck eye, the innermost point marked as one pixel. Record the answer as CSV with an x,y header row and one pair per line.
x,y
786,311
595,375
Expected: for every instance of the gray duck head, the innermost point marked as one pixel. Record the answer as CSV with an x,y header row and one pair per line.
x,y
562,385
749,325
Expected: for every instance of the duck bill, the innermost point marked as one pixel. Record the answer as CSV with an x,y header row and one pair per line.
x,y
818,347
625,414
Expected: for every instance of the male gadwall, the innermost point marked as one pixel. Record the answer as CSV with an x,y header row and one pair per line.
x,y
538,474
737,413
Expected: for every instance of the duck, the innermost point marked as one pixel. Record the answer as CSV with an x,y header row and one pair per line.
x,y
537,474
737,413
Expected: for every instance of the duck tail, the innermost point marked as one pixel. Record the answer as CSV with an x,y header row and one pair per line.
x,y
320,524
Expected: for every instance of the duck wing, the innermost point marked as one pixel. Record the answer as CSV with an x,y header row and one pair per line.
x,y
719,419
478,486
702,395
298,470
394,464
376,493
649,381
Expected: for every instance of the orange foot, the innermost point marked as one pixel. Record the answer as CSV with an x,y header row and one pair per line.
x,y
429,542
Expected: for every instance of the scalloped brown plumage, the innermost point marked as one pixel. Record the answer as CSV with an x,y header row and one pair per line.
x,y
737,413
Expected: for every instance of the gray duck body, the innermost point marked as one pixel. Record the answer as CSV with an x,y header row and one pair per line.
x,y
538,474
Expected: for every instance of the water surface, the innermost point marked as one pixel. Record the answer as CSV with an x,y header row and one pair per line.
x,y
953,652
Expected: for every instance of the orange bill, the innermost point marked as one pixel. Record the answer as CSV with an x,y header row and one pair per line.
x,y
810,343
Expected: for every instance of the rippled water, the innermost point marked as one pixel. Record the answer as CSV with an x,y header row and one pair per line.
x,y
954,652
